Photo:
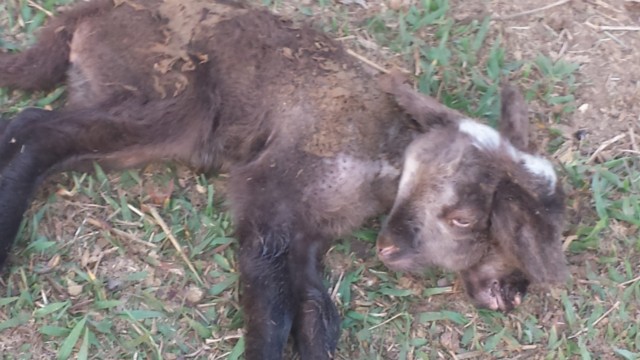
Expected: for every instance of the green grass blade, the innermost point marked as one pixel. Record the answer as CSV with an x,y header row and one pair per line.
x,y
70,342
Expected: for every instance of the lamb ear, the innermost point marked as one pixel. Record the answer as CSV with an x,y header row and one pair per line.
x,y
528,229
425,110
514,120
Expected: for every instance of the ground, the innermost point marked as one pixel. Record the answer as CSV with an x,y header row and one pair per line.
x,y
609,72
96,274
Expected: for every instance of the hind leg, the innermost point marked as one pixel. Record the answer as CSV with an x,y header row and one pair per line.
x,y
37,141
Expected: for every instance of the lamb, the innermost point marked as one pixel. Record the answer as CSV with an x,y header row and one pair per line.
x,y
313,144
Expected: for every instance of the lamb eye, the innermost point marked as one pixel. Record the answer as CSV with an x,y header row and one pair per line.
x,y
461,223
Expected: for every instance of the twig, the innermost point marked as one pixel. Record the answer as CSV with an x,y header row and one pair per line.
x,y
453,355
136,210
604,146
196,353
562,51
222,356
386,321
615,306
106,226
130,237
224,338
470,355
532,11
550,29
607,6
612,28
334,293
629,282
174,242
567,241
34,5
367,61
348,37
632,135
617,28
615,38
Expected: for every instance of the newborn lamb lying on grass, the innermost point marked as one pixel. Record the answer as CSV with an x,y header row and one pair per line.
x,y
313,144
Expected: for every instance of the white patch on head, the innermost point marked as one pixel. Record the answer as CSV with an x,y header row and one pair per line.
x,y
539,166
409,171
486,138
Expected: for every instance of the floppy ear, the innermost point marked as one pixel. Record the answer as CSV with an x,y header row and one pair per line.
x,y
528,229
514,120
424,110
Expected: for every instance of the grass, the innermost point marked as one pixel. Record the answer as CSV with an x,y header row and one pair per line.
x,y
95,274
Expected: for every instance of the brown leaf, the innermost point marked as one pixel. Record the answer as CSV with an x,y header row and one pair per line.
x,y
73,289
450,340
194,295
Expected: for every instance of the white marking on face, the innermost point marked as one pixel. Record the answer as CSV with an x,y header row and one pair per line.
x,y
539,166
409,173
486,138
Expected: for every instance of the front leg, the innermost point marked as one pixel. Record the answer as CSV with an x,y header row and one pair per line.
x,y
282,292
281,249
266,295
316,327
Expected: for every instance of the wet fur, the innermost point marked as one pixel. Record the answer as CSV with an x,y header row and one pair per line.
x,y
314,146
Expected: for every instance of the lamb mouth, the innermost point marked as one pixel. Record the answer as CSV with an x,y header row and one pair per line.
x,y
502,301
400,262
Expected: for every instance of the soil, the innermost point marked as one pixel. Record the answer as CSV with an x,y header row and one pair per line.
x,y
586,33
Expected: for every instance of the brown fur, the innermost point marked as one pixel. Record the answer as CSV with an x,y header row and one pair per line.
x,y
314,146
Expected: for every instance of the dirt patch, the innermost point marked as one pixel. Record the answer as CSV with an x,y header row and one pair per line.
x,y
591,34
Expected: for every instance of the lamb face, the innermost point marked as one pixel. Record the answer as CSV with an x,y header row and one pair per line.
x,y
478,201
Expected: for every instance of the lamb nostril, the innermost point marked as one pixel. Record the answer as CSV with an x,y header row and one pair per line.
x,y
495,288
517,300
386,251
